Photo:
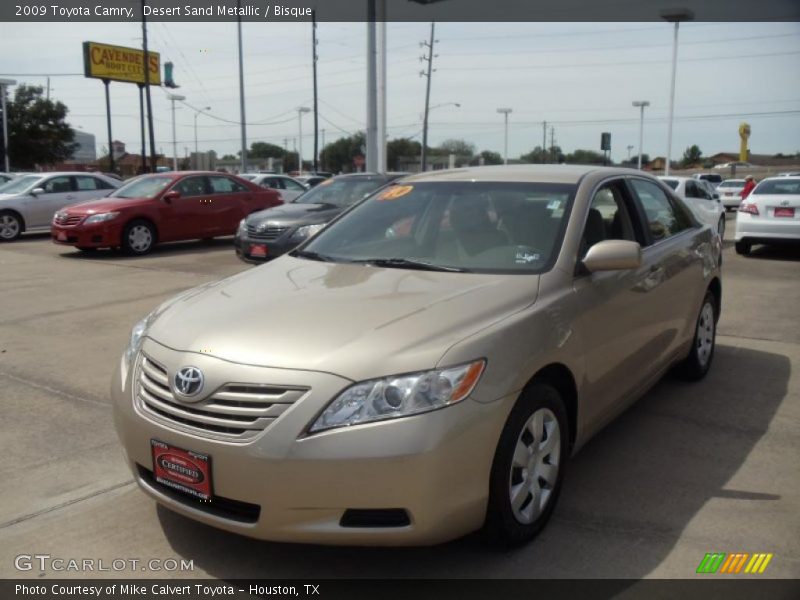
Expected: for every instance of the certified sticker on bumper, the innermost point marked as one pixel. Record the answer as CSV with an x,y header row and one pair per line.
x,y
61,236
183,470
258,250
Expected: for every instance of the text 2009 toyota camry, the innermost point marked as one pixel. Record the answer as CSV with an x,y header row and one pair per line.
x,y
425,366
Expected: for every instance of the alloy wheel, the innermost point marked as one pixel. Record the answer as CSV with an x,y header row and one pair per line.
x,y
705,334
140,238
9,227
534,466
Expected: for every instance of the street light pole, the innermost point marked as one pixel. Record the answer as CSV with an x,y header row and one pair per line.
x,y
300,111
504,112
196,114
641,104
243,166
173,98
673,16
4,83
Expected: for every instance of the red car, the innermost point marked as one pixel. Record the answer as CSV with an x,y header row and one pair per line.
x,y
164,207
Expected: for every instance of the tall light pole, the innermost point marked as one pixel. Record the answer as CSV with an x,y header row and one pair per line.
x,y
301,110
673,16
429,58
196,114
641,104
504,112
175,98
243,166
4,83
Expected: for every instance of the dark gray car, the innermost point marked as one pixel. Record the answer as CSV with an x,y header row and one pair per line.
x,y
272,232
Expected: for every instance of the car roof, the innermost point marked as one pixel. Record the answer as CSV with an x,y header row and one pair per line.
x,y
519,173
678,178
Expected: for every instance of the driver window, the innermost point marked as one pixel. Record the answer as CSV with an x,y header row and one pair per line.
x,y
608,219
191,186
57,185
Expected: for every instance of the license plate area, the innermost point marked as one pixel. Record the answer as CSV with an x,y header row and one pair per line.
x,y
61,236
781,211
258,250
182,470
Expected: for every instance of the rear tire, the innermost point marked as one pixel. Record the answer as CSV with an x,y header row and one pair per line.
x,y
697,364
10,226
528,467
138,238
743,247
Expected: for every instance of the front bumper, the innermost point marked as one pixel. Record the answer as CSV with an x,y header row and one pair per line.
x,y
434,466
99,235
246,247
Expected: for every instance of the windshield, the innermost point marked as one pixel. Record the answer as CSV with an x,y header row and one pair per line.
x,y
20,184
778,186
673,183
732,183
146,187
487,227
341,192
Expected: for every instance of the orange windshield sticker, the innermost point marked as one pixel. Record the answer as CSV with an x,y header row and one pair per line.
x,y
395,192
326,182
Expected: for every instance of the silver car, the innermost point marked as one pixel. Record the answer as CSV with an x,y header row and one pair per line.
x,y
426,364
288,188
28,202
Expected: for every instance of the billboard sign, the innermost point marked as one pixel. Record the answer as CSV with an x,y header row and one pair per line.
x,y
118,63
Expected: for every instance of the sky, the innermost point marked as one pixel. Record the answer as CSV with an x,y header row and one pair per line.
x,y
578,77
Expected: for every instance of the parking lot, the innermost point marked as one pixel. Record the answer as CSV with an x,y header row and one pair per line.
x,y
689,469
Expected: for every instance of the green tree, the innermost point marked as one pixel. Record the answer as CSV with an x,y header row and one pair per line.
x,y
633,161
265,150
401,148
338,156
37,132
453,146
552,154
691,155
585,157
489,158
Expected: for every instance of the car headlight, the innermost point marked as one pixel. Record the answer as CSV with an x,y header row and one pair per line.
x,y
101,218
242,226
400,396
305,232
137,336
59,215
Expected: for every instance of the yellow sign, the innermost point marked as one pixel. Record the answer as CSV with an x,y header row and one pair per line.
x,y
118,63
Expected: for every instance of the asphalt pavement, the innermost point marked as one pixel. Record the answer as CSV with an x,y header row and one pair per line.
x,y
689,469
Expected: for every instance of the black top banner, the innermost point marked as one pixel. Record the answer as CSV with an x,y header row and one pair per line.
x,y
399,10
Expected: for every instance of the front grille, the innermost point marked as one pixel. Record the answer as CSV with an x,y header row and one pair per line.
x,y
68,220
268,233
227,508
235,411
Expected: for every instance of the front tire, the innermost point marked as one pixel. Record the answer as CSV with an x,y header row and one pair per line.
x,y
696,365
10,226
528,467
138,238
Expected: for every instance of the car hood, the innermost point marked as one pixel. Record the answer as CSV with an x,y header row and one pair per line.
x,y
103,205
295,214
356,321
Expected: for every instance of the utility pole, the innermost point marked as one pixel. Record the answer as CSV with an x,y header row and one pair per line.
x,y
146,58
552,144
429,58
630,147
48,88
241,89
323,143
314,58
544,142
505,112
173,98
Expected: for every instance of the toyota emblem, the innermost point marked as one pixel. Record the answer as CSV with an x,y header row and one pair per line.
x,y
189,381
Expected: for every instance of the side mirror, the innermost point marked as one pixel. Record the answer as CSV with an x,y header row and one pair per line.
x,y
170,196
613,255
37,191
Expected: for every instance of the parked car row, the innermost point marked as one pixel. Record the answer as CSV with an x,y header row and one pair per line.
x,y
770,214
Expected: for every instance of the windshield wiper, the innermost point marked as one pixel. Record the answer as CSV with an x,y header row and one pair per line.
x,y
409,263
312,255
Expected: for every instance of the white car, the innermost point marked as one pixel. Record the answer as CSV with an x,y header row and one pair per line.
x,y
730,192
770,214
713,178
287,187
28,202
705,207
5,178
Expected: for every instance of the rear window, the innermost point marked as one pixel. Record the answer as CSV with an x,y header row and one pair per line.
x,y
673,183
778,187
732,183
712,177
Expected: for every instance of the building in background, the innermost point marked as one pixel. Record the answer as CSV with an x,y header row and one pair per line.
x,y
86,151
